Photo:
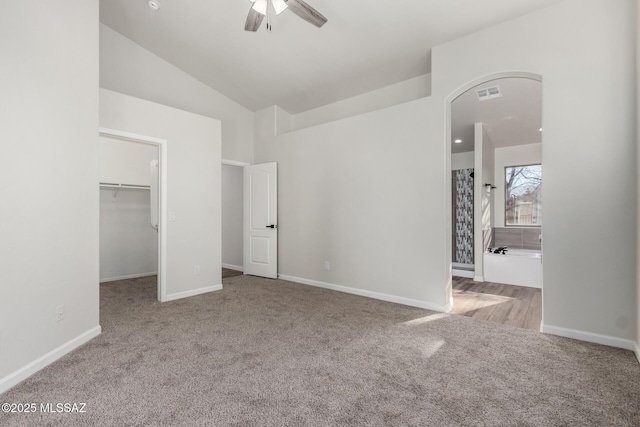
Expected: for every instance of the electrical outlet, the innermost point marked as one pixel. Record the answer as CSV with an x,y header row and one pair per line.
x,y
60,313
196,270
327,265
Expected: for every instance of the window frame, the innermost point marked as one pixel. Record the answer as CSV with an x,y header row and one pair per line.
x,y
505,199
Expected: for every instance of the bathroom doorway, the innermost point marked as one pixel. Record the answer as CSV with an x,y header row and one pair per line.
x,y
495,124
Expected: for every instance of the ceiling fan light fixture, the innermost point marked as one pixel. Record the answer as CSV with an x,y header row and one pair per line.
x,y
260,6
279,6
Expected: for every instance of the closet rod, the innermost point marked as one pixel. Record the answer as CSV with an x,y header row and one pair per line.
x,y
132,186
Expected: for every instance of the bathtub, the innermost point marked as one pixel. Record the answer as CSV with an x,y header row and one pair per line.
x,y
521,267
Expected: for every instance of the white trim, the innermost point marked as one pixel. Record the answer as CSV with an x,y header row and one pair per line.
x,y
637,352
368,294
130,276
449,306
164,185
191,293
233,267
234,163
131,136
40,363
462,273
588,337
478,278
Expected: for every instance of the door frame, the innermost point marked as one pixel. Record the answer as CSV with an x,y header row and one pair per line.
x,y
448,214
240,165
161,144
249,232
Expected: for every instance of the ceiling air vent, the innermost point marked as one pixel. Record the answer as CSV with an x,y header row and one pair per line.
x,y
488,93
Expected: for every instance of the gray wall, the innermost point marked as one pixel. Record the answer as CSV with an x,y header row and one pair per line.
x,y
128,244
587,294
232,179
48,181
192,189
638,187
345,184
128,68
364,193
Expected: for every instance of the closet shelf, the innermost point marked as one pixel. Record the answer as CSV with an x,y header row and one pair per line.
x,y
129,186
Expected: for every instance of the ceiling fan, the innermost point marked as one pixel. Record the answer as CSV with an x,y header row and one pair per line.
x,y
260,9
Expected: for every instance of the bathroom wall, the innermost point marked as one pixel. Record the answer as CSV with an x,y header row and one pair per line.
x,y
488,194
484,166
462,160
518,238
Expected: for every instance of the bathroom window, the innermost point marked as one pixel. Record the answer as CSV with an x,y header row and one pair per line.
x,y
523,192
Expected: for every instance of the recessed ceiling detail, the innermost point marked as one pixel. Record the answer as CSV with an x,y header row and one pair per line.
x,y
488,93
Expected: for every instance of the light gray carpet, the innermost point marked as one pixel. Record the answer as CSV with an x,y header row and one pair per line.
x,y
269,352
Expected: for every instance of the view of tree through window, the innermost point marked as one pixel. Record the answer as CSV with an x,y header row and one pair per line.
x,y
523,204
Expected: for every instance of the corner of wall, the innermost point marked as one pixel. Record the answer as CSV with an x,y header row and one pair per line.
x,y
283,121
638,179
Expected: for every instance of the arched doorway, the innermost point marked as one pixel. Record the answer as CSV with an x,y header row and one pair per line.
x,y
494,127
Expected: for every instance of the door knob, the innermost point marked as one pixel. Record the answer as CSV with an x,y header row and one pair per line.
x,y
272,226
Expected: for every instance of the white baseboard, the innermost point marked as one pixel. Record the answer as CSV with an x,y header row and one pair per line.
x,y
130,276
462,273
637,351
26,371
369,294
478,278
589,337
233,267
191,293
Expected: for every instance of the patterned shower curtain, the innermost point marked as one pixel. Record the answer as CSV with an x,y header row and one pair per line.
x,y
463,216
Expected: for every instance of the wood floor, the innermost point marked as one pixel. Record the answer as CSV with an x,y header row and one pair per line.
x,y
510,305
227,272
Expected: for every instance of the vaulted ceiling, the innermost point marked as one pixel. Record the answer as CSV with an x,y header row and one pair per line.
x,y
365,44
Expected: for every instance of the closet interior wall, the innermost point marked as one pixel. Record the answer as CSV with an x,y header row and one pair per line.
x,y
128,242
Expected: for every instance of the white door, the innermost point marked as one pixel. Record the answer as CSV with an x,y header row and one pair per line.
x,y
261,220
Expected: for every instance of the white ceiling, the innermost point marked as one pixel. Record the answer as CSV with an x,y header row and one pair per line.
x,y
515,118
365,44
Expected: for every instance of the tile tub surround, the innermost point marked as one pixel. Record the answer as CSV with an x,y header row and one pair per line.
x,y
518,238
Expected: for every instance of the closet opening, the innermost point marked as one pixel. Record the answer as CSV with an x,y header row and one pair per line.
x,y
232,218
131,229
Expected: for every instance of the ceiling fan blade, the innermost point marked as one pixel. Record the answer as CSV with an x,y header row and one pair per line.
x,y
306,12
254,19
